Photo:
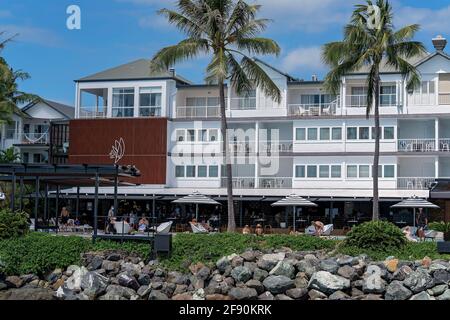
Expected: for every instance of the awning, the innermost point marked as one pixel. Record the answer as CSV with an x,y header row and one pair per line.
x,y
294,201
415,202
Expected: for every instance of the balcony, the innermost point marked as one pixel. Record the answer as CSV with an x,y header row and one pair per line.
x,y
92,113
243,104
32,138
444,98
240,183
444,145
415,183
416,145
275,183
276,146
314,110
198,112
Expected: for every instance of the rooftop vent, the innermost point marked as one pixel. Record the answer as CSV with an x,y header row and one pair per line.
x,y
172,72
439,43
314,78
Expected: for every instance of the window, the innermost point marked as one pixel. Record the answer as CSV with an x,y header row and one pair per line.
x,y
38,158
380,171
123,103
364,133
213,135
190,135
190,171
300,171
324,133
203,135
179,171
202,171
336,134
180,135
336,172
248,101
312,171
300,134
312,134
352,133
388,96
150,102
364,171
324,171
11,129
352,171
213,171
389,133
25,157
389,171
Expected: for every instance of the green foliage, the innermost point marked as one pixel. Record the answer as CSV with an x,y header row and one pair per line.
x,y
9,156
139,248
379,236
13,224
440,226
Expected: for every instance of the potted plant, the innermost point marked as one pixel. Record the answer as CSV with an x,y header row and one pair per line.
x,y
441,227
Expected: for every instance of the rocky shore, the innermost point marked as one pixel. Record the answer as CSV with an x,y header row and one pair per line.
x,y
252,275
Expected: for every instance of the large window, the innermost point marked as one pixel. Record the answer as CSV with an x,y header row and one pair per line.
x,y
364,133
300,134
324,134
388,96
324,171
123,103
364,171
311,171
424,93
389,133
336,171
190,171
213,171
389,171
312,134
300,171
352,133
150,102
179,172
336,134
202,171
352,171
318,171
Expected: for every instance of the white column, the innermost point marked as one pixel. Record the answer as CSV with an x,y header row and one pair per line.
x,y
344,97
136,101
436,167
229,99
436,133
110,102
77,101
257,142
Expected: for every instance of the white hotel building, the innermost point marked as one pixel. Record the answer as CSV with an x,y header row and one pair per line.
x,y
311,143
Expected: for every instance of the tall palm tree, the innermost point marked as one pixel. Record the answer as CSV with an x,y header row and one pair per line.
x,y
9,156
226,30
371,41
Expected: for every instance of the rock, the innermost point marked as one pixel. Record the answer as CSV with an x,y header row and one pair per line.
x,y
13,282
307,267
199,294
194,268
422,296
180,288
223,264
297,293
346,261
249,256
160,273
110,266
131,269
27,278
144,279
283,269
328,283
402,273
183,297
243,293
255,284
57,284
217,297
445,296
3,286
54,275
177,278
348,272
371,297
203,273
426,262
237,262
391,265
63,293
282,297
157,295
329,265
269,261
397,291
437,266
118,291
114,257
278,284
241,274
266,296
127,281
260,274
96,263
317,295
419,281
339,295
441,277
71,269
144,291
94,284
438,290
301,282
372,282
27,293
356,293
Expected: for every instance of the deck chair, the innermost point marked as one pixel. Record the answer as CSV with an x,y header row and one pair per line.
x,y
198,228
32,224
164,228
327,230
122,227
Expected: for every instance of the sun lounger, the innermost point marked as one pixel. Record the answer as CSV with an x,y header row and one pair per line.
x,y
164,228
327,230
198,228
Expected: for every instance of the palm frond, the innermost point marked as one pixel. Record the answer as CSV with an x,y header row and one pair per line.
x,y
258,46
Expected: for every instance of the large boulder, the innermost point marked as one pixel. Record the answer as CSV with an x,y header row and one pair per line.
x,y
402,273
74,281
372,280
27,293
329,265
222,264
397,291
94,284
339,295
243,293
14,282
309,267
297,293
116,292
445,296
422,296
348,272
241,274
269,261
441,276
95,263
127,281
278,284
327,282
419,281
255,284
260,274
283,269
438,290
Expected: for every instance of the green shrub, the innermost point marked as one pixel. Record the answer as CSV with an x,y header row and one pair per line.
x,y
440,226
380,236
13,224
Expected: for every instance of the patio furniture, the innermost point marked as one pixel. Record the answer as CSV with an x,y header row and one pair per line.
x,y
415,203
327,230
197,199
445,147
294,201
164,228
429,147
122,227
198,228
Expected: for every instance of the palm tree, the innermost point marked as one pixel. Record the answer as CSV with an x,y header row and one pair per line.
x,y
373,43
9,156
226,30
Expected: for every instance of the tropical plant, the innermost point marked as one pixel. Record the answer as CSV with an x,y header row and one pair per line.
x,y
371,42
443,227
13,224
226,30
9,155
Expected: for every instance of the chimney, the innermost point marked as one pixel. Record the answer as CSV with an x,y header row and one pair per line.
x,y
172,72
314,78
439,43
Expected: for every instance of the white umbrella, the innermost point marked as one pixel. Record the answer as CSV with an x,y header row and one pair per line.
x,y
294,201
196,198
415,203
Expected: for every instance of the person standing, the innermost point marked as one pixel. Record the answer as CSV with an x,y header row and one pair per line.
x,y
422,224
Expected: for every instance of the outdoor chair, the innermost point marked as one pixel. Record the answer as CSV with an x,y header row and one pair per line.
x,y
122,227
164,228
198,228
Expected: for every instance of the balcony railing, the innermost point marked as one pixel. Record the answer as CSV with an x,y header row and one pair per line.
x,y
444,145
388,100
198,112
416,145
317,109
275,183
240,147
415,183
92,113
356,101
243,103
33,138
240,183
275,146
444,98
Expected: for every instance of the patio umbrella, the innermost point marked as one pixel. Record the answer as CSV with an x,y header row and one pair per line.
x,y
294,201
197,199
415,203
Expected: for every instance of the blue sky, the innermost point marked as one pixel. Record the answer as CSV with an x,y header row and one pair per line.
x,y
118,31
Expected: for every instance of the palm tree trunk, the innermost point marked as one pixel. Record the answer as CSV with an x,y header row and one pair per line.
x,y
376,157
227,159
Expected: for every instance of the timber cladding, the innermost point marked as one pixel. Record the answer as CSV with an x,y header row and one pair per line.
x,y
138,142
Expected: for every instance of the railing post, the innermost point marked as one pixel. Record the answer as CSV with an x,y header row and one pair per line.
x,y
436,133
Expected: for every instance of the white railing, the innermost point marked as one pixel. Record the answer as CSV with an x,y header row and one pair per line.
x,y
444,98
415,183
444,145
33,138
240,183
275,183
275,146
243,103
356,101
198,112
416,145
388,100
92,113
150,112
317,109
240,147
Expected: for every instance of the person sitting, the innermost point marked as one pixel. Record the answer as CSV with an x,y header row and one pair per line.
x,y
143,224
408,234
246,230
318,226
422,224
64,217
259,230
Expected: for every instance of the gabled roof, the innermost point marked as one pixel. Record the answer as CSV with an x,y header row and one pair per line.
x,y
289,77
135,70
431,56
63,109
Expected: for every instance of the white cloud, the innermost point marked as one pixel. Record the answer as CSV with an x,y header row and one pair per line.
x,y
32,35
437,20
303,59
